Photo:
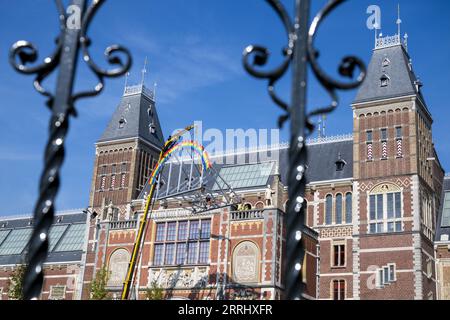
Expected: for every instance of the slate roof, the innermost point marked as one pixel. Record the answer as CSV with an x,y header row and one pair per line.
x,y
401,76
440,231
136,112
321,165
72,226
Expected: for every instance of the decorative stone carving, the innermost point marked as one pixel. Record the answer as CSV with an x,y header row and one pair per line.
x,y
179,278
336,232
118,266
246,263
385,188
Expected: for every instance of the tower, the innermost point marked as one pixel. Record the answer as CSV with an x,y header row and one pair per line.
x,y
395,174
126,152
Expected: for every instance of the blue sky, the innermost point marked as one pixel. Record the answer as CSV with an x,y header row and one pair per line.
x,y
194,49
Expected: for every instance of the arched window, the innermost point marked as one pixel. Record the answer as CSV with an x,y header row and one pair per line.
x,y
348,208
329,209
339,208
118,265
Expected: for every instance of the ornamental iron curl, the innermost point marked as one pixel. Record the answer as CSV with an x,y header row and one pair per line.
x,y
68,44
298,54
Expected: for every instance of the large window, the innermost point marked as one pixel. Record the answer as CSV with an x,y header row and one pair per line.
x,y
338,289
385,211
182,242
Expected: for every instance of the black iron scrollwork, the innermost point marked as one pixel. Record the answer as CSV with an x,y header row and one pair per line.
x,y
298,54
61,104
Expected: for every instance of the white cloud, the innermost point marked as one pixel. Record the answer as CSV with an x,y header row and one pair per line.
x,y
185,64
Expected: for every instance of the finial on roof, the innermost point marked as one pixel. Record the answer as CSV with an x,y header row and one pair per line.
x,y
155,85
340,163
127,75
399,21
405,41
322,126
144,72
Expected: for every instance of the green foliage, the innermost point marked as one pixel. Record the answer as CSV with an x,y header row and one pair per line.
x,y
155,292
98,285
16,283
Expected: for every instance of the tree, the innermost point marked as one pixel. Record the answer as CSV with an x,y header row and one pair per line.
x,y
154,292
98,285
16,283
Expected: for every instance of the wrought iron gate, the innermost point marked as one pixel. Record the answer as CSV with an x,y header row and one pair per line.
x,y
298,55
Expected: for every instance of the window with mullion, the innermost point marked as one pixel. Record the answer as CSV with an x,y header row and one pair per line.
x,y
182,242
338,290
205,230
160,232
385,213
192,253
194,230
339,255
182,230
169,254
158,256
171,231
204,252
181,253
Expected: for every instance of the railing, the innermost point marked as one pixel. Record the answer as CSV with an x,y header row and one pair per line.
x,y
138,89
120,225
247,215
337,138
388,41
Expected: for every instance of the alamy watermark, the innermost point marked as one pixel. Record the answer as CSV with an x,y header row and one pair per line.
x,y
374,20
237,146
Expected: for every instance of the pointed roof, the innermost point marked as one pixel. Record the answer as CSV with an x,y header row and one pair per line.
x,y
135,117
390,73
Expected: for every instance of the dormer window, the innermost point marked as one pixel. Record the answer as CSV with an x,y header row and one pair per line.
x,y
418,85
122,123
386,62
150,112
385,80
152,128
340,163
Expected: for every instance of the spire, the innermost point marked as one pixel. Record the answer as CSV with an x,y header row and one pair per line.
x,y
155,85
399,21
144,72
136,116
322,126
395,40
126,81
